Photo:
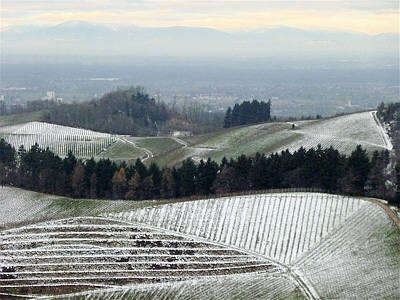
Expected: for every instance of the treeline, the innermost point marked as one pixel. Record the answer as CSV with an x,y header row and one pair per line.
x,y
248,113
41,170
389,114
30,106
129,111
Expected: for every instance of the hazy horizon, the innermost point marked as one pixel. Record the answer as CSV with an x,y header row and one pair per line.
x,y
86,41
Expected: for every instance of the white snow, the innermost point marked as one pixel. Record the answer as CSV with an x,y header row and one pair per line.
x,y
344,133
283,231
59,139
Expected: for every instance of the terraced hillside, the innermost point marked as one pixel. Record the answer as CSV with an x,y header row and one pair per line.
x,y
275,246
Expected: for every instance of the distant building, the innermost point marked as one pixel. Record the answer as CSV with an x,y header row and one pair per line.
x,y
51,95
181,133
2,98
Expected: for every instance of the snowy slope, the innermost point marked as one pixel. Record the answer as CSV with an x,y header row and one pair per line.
x,y
278,226
275,246
339,247
343,133
59,139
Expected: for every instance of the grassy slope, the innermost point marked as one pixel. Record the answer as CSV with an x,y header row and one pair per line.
x,y
120,151
20,207
343,133
173,158
158,145
248,140
21,118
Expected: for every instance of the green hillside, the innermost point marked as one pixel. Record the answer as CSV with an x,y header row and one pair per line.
x,y
343,133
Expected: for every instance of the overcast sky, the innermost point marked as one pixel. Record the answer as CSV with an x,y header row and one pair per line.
x,y
368,16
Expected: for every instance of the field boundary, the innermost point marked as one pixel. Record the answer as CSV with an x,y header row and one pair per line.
x,y
384,135
394,218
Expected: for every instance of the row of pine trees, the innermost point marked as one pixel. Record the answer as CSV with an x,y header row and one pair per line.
x,y
248,113
43,171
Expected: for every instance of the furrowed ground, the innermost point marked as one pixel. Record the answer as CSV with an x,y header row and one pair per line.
x,y
276,246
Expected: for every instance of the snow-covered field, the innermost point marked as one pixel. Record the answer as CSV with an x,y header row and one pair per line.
x,y
91,252
278,226
275,246
343,133
60,139
19,206
340,247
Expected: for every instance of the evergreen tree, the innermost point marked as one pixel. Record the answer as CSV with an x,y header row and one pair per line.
x,y
168,186
376,179
359,166
248,113
140,168
228,118
156,176
224,182
90,168
69,163
105,170
7,154
188,172
146,188
332,168
259,172
206,174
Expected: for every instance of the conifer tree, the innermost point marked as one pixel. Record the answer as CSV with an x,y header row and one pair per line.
x,y
359,166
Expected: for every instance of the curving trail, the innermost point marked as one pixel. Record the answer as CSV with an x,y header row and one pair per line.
x,y
149,154
179,141
391,214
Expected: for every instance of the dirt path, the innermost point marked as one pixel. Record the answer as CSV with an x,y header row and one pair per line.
x,y
149,154
392,215
179,141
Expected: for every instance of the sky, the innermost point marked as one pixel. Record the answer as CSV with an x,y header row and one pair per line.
x,y
367,16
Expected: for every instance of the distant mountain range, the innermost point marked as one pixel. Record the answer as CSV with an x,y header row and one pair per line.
x,y
86,39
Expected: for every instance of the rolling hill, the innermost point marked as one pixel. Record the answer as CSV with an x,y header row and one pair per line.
x,y
343,133
279,245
